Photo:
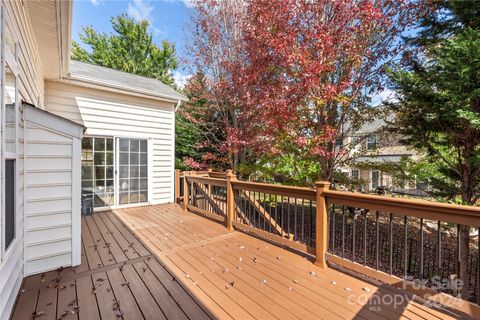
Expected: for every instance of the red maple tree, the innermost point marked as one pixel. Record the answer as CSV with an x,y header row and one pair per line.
x,y
295,72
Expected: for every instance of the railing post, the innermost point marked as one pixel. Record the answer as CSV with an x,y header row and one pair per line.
x,y
321,240
186,195
230,201
177,186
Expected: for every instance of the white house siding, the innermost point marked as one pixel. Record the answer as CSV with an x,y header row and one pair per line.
x,y
52,204
31,89
111,114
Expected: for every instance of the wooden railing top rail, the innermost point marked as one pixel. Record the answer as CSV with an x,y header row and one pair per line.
x,y
203,179
287,191
452,213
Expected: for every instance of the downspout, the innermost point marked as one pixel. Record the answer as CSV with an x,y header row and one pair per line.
x,y
178,105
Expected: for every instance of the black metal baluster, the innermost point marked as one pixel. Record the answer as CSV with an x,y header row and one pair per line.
x,y
343,231
265,201
377,241
421,248
391,244
459,254
333,228
405,238
365,239
310,240
270,214
288,216
439,244
255,210
282,224
295,230
303,220
353,235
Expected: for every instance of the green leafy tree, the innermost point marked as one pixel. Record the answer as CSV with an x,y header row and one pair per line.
x,y
130,48
438,112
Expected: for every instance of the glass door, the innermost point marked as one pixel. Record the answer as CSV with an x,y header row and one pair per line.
x,y
132,168
97,172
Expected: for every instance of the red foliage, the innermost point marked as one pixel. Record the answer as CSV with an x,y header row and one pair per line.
x,y
293,70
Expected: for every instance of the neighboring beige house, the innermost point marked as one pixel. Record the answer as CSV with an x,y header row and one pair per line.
x,y
372,144
73,134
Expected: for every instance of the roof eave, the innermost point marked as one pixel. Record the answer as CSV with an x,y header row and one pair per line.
x,y
86,81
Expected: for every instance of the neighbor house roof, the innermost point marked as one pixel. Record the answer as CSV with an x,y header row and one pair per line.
x,y
106,77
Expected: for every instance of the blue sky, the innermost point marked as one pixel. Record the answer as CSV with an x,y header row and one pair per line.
x,y
168,19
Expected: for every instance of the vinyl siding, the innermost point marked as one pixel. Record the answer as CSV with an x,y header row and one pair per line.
x,y
109,114
31,89
49,208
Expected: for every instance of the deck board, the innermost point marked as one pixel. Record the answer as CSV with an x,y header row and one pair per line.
x,y
119,278
160,262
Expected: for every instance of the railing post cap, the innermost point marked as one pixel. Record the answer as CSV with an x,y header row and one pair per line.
x,y
322,184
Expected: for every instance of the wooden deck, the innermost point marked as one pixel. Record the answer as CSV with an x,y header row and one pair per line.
x,y
188,267
119,278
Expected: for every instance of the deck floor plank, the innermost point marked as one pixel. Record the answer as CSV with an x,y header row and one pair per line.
x,y
27,298
67,301
87,301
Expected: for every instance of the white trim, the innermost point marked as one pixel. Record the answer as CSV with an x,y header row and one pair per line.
x,y
76,200
52,121
10,59
97,84
150,169
172,170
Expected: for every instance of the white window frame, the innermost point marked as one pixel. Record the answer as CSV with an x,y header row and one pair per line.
x,y
117,170
358,174
379,179
374,136
7,57
116,179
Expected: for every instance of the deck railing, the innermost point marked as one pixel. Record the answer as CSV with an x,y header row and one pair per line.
x,y
413,244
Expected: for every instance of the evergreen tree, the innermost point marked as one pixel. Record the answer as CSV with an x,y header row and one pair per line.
x,y
438,111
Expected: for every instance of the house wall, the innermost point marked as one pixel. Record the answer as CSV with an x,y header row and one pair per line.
x,y
52,197
111,114
31,89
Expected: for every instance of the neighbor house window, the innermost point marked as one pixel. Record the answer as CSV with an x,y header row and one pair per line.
x,y
339,142
9,139
355,174
375,179
371,142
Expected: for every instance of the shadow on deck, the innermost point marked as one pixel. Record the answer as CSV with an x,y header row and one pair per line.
x,y
159,262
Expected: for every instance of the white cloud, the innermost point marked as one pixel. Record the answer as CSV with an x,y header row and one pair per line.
x,y
187,3
96,3
159,32
139,10
180,78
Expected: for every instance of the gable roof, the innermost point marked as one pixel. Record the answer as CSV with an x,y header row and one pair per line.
x,y
90,73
